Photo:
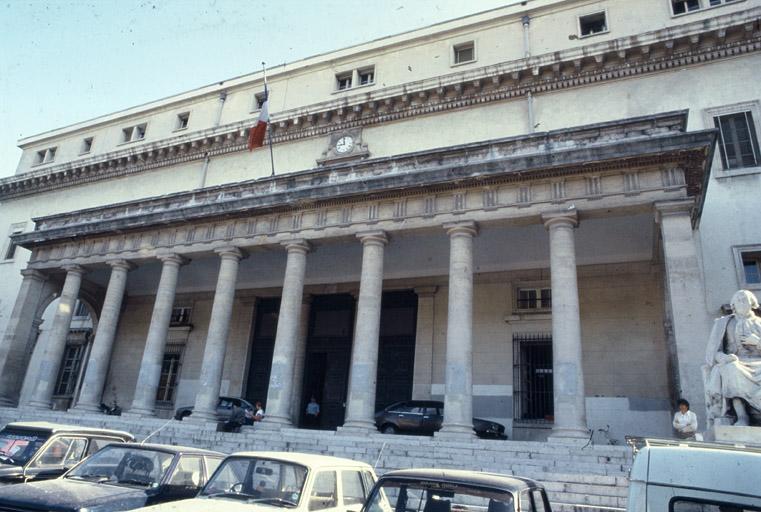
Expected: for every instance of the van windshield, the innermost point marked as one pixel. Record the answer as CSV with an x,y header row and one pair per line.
x,y
18,446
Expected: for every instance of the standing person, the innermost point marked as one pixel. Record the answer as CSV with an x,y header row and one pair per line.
x,y
237,418
685,421
259,414
313,413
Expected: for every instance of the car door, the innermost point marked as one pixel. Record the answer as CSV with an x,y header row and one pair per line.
x,y
324,493
59,454
431,419
185,480
406,417
224,409
353,490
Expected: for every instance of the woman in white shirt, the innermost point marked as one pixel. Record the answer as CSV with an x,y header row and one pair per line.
x,y
685,421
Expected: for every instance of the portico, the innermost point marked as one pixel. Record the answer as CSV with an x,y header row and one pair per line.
x,y
512,221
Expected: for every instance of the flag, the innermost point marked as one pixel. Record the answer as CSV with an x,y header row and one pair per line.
x,y
256,134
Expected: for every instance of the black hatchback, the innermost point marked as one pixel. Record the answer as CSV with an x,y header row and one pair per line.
x,y
425,417
118,477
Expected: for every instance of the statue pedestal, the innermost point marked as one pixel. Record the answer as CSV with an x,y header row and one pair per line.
x,y
734,434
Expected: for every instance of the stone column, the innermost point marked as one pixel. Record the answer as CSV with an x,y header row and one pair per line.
x,y
567,370
685,301
458,389
205,408
100,354
300,358
424,333
18,335
280,391
150,367
53,350
360,404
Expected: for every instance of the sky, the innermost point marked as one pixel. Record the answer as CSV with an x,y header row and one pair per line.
x,y
62,62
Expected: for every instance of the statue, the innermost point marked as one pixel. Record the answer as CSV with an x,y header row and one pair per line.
x,y
733,371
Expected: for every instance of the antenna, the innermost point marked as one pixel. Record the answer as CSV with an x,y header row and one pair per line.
x,y
379,456
157,431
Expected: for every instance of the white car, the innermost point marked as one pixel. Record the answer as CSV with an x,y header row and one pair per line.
x,y
261,481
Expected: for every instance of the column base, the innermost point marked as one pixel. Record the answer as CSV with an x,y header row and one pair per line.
x,y
202,417
357,427
40,405
455,432
274,423
139,413
569,435
85,408
7,402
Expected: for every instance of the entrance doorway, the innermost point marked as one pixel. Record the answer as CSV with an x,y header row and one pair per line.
x,y
262,346
396,357
328,356
532,378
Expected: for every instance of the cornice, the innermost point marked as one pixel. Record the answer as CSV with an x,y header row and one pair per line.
x,y
699,42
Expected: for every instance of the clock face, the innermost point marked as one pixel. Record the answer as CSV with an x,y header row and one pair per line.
x,y
344,144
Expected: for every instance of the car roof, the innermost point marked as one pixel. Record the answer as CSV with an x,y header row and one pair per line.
x,y
433,403
311,460
56,428
457,476
700,466
171,448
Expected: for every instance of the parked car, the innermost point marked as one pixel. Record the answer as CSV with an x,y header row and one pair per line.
x,y
694,476
299,482
40,450
118,477
224,409
425,417
436,490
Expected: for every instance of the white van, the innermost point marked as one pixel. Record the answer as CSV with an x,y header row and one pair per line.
x,y
695,477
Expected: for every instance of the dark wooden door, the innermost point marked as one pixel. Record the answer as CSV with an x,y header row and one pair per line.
x,y
262,346
396,351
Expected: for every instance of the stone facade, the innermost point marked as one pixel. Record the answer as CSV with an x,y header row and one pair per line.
x,y
576,166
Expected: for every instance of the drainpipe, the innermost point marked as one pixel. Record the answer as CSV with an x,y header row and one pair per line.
x,y
222,98
531,120
526,20
204,170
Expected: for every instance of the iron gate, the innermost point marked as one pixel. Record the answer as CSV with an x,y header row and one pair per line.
x,y
532,378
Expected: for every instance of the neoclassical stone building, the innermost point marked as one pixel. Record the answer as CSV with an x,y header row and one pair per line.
x,y
523,227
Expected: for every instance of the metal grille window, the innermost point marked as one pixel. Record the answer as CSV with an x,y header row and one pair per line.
x,y
81,310
752,267
170,373
534,298
180,316
738,144
71,366
532,378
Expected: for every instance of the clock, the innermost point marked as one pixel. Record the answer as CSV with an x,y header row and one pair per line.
x,y
344,144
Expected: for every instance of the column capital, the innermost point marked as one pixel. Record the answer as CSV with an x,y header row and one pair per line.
x,y
668,208
425,291
375,237
121,264
297,245
464,228
562,218
36,275
74,269
172,258
230,252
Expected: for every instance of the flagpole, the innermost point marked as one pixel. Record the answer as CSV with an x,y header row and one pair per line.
x,y
269,128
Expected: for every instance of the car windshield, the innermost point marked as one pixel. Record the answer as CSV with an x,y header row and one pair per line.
x,y
254,479
18,446
124,465
394,495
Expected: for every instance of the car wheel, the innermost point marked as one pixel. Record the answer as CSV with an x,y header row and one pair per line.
x,y
389,429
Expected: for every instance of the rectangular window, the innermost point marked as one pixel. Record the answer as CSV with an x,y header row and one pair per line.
x,y
133,133
180,316
464,52
10,249
751,261
592,24
534,298
323,491
73,357
366,76
696,504
182,120
170,373
45,156
343,81
683,6
80,310
738,143
259,100
87,145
